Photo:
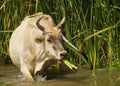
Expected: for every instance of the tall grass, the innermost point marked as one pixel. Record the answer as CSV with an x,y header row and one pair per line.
x,y
91,25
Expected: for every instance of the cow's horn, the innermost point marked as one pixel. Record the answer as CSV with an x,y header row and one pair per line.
x,y
38,24
70,44
62,21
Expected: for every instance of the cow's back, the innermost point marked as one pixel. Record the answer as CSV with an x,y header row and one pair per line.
x,y
16,45
22,38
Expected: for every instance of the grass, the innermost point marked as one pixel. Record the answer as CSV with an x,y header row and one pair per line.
x,y
91,25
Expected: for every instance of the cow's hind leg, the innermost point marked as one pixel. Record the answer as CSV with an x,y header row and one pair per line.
x,y
24,69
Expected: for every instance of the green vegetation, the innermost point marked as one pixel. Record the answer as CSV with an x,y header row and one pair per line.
x,y
93,26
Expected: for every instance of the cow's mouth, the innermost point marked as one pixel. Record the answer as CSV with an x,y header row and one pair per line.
x,y
63,55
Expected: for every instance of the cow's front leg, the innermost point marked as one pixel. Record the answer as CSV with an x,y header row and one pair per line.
x,y
39,72
25,70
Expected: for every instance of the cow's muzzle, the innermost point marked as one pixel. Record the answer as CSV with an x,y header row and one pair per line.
x,y
63,54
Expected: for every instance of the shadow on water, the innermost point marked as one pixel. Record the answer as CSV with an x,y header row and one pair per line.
x,y
10,76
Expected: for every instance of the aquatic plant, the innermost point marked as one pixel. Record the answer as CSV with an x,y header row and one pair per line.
x,y
91,25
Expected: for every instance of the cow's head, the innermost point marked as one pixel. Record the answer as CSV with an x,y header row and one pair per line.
x,y
51,37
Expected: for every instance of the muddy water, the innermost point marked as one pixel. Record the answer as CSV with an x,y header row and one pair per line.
x,y
10,76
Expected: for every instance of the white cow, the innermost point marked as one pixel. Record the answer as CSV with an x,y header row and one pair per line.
x,y
36,40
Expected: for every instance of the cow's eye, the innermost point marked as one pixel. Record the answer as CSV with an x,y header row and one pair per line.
x,y
50,40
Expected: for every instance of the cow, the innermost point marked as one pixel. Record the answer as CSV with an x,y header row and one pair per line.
x,y
34,42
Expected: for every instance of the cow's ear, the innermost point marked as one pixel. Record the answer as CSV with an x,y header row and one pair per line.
x,y
39,39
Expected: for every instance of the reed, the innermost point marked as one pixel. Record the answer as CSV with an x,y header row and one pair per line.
x,y
91,25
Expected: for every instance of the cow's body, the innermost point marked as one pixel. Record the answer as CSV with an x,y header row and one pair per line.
x,y
30,46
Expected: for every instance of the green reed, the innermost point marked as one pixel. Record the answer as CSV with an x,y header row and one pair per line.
x,y
91,25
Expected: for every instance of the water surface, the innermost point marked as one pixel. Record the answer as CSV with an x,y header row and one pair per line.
x,y
10,76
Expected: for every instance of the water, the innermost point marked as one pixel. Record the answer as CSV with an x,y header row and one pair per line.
x,y
10,76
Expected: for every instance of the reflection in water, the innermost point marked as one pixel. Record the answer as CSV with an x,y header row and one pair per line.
x,y
10,76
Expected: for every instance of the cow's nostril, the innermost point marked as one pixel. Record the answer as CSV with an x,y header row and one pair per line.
x,y
64,54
